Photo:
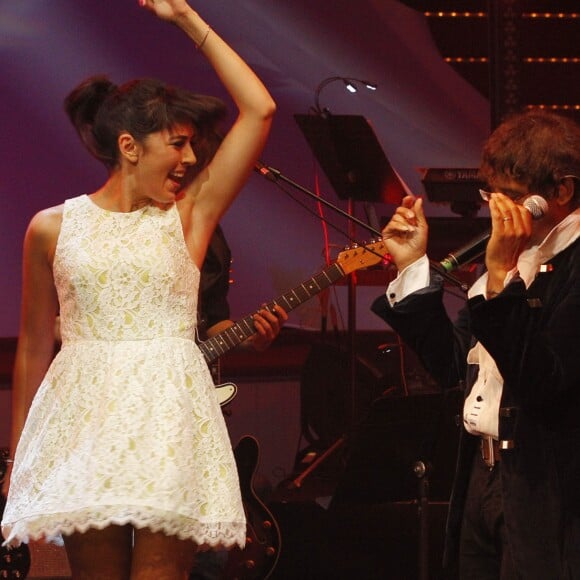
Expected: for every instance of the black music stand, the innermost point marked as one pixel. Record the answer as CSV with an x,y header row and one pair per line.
x,y
354,162
352,158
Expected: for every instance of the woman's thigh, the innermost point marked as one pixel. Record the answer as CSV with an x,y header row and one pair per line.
x,y
98,554
157,556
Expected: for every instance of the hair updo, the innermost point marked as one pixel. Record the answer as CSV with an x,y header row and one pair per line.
x,y
100,111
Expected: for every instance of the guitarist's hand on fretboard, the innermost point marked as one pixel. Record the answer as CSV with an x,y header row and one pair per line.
x,y
264,327
268,324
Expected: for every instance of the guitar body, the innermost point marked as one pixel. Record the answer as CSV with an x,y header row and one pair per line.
x,y
14,563
260,555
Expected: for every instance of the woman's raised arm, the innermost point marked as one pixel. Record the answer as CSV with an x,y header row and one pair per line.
x,y
215,188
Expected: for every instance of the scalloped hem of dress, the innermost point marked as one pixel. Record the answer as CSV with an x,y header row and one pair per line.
x,y
51,528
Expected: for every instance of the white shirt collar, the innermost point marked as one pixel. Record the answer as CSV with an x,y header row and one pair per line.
x,y
558,239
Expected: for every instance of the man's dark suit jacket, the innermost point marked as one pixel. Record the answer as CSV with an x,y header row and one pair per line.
x,y
534,337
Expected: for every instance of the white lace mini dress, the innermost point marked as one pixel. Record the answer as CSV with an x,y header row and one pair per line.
x,y
125,427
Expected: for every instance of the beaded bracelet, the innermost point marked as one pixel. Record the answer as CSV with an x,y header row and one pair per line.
x,y
202,41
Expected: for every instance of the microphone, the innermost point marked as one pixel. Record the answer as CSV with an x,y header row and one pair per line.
x,y
535,204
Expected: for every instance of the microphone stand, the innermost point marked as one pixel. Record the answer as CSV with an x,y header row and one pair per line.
x,y
350,400
420,469
273,175
448,276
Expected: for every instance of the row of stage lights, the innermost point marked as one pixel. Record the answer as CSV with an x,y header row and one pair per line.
x,y
556,107
527,15
527,59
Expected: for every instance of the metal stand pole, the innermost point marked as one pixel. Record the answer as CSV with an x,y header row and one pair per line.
x,y
421,470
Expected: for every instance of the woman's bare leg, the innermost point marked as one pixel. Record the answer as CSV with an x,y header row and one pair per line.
x,y
160,557
99,554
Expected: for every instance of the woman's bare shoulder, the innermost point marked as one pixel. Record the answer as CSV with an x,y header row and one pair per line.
x,y
45,225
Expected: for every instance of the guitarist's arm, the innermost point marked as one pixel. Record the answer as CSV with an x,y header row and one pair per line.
x,y
267,324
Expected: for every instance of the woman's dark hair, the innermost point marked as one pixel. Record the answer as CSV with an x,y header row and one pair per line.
x,y
536,149
100,111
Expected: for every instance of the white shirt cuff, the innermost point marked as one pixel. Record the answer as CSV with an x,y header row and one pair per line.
x,y
414,277
480,285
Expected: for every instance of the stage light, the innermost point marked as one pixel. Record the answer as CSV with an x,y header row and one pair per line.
x,y
350,87
350,84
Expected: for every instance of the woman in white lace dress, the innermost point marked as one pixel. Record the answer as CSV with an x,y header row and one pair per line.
x,y
122,450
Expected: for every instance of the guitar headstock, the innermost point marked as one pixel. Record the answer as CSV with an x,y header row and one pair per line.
x,y
357,257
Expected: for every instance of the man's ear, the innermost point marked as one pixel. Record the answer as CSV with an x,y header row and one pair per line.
x,y
566,190
128,147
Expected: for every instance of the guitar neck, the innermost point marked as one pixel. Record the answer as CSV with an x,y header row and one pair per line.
x,y
234,335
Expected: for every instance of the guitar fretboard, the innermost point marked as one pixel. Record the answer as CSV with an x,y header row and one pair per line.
x,y
218,345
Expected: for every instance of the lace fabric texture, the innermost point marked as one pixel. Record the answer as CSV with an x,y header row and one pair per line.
x,y
126,426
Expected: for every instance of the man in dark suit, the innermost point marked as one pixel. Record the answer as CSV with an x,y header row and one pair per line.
x,y
515,505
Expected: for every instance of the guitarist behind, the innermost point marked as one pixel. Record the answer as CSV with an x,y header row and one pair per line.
x,y
259,558
214,317
214,310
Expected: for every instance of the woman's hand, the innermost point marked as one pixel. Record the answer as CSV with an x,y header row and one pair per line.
x,y
406,233
511,228
168,10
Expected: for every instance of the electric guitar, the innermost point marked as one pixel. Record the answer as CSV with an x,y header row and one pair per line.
x,y
349,260
263,540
